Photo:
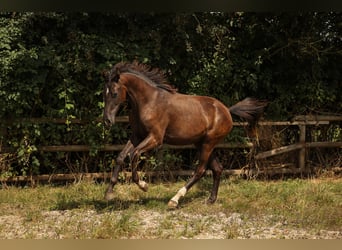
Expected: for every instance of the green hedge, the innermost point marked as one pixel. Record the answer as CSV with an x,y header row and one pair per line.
x,y
51,64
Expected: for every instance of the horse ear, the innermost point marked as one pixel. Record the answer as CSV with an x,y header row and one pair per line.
x,y
116,78
117,75
105,74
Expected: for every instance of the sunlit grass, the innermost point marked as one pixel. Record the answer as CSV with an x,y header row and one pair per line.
x,y
83,213
302,203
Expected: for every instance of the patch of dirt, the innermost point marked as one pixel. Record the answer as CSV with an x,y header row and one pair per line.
x,y
152,224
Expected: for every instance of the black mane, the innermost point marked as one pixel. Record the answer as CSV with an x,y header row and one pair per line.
x,y
156,76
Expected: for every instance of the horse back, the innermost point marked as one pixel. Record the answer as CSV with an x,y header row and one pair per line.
x,y
193,118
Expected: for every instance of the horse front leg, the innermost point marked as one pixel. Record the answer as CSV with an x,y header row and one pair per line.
x,y
150,142
109,195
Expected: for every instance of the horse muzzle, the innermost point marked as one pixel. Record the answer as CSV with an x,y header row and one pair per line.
x,y
109,115
108,122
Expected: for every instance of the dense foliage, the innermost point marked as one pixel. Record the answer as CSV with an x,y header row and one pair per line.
x,y
51,64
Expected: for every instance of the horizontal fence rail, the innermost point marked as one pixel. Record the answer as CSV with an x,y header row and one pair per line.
x,y
119,147
296,146
124,119
301,146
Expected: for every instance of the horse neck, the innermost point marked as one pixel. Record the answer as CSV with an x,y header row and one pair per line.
x,y
138,90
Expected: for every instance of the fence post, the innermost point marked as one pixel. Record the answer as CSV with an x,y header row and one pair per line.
x,y
302,151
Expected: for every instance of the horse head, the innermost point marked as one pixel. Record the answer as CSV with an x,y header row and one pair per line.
x,y
114,94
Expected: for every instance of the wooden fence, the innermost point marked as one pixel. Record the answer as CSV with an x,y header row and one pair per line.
x,y
302,145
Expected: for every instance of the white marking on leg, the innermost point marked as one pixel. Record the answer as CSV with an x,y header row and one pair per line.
x,y
179,194
142,185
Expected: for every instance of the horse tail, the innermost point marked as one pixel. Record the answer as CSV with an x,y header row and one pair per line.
x,y
250,109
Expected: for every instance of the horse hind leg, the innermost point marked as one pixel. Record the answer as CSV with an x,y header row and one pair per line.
x,y
200,171
217,169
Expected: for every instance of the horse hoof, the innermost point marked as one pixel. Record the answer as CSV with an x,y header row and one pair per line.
x,y
172,204
109,196
143,186
211,201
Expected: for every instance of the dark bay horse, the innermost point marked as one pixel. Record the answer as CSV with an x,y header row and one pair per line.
x,y
159,114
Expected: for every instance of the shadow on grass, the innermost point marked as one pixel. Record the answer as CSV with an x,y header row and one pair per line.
x,y
118,204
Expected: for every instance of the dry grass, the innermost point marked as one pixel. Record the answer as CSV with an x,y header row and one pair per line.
x,y
244,209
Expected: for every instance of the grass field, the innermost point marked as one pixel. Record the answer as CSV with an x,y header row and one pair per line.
x,y
292,208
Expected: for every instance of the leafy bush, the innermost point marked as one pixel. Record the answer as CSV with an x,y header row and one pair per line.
x,y
51,65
